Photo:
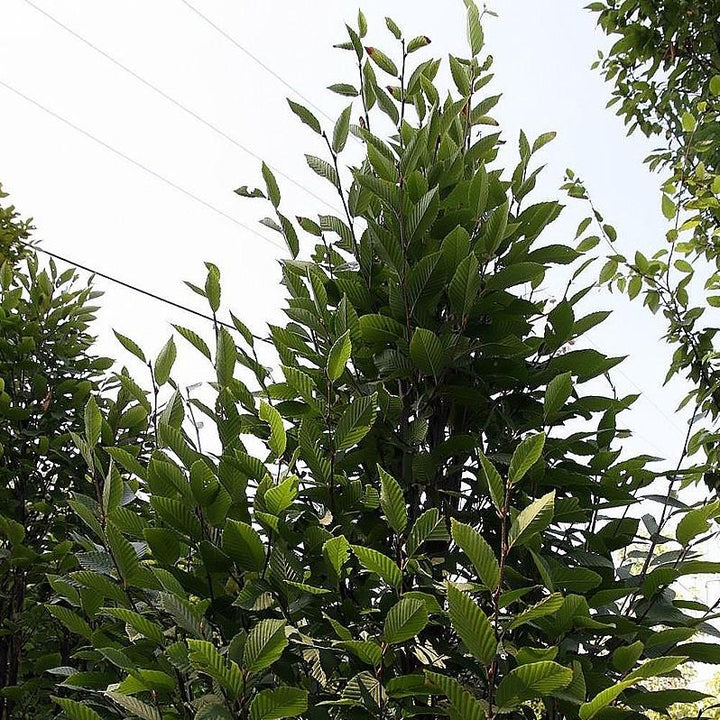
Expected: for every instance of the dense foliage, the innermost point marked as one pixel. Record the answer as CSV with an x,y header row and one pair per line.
x,y
47,375
426,510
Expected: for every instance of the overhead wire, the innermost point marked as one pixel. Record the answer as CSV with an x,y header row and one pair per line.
x,y
140,165
177,103
254,58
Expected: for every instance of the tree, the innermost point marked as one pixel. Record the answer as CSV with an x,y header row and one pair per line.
x,y
425,514
666,73
47,374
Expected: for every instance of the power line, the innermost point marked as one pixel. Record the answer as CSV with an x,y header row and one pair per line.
x,y
219,131
134,288
138,164
254,58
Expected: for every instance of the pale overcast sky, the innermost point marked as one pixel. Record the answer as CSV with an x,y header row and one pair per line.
x,y
94,206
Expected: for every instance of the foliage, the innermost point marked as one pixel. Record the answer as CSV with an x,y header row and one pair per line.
x,y
666,72
425,515
47,374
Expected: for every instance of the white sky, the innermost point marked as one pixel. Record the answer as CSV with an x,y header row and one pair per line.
x,y
93,206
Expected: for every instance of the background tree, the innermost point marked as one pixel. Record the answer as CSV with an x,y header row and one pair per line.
x,y
47,374
665,68
425,514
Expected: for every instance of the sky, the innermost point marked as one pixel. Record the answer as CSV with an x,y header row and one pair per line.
x,y
151,198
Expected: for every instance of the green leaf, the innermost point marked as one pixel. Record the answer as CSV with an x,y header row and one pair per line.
x,y
131,346
382,61
494,481
479,552
430,525
71,620
194,339
164,362
405,620
557,393
206,658
306,116
243,545
340,131
380,329
137,622
472,625
93,422
689,123
464,286
123,553
376,562
474,29
532,519
278,438
418,42
323,168
426,351
392,501
547,606
338,357
626,656
532,681
367,650
282,702
715,85
466,706
668,207
526,454
335,552
344,89
273,191
355,422
76,710
264,645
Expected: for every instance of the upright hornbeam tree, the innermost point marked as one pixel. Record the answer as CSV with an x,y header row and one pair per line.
x,y
419,511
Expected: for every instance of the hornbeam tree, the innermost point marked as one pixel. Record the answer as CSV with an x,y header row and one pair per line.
x,y
423,509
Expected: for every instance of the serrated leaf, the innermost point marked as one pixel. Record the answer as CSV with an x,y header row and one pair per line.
x,y
278,438
426,351
355,422
76,710
532,681
93,422
282,702
340,131
273,191
306,116
243,545
338,356
479,552
557,393
464,286
376,562
428,526
472,625
532,519
264,645
526,454
392,501
494,482
164,362
405,620
466,706
335,552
